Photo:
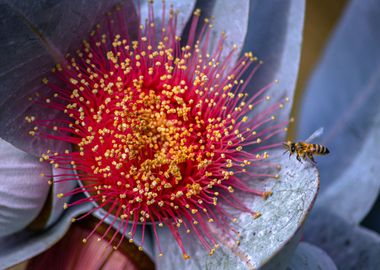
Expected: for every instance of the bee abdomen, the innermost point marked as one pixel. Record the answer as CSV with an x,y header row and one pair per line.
x,y
320,149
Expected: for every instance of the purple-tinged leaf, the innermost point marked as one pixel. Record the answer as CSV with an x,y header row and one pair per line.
x,y
309,257
26,244
267,241
349,245
275,37
343,96
23,191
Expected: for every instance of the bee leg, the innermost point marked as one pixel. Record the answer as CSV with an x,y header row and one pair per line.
x,y
310,156
298,158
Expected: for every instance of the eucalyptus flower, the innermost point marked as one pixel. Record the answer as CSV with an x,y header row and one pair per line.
x,y
154,121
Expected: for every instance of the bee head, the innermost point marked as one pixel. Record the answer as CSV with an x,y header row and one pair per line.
x,y
290,147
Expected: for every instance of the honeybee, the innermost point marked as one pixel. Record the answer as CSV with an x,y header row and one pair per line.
x,y
306,150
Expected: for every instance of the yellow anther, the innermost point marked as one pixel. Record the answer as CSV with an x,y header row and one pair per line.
x,y
267,194
186,257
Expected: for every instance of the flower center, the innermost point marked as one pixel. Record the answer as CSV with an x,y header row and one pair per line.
x,y
159,129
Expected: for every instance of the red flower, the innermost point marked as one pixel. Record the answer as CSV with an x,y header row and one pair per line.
x,y
162,131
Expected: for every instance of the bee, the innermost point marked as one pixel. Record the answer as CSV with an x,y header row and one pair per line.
x,y
306,150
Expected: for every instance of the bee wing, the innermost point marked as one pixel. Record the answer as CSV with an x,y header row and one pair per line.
x,y
315,134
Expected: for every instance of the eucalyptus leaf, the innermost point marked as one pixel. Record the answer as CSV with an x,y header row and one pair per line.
x,y
26,244
275,37
267,241
343,96
232,18
349,245
34,35
228,17
309,257
23,191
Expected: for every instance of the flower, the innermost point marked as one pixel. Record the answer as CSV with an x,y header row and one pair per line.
x,y
40,37
162,131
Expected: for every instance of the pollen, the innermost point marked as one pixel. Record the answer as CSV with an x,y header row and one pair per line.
x,y
161,132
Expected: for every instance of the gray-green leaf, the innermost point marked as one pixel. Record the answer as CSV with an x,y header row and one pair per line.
x,y
275,37
349,245
309,257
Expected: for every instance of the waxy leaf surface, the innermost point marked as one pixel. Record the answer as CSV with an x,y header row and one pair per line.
x,y
350,246
275,37
309,257
23,191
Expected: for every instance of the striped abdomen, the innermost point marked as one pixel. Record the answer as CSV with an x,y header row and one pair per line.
x,y
320,149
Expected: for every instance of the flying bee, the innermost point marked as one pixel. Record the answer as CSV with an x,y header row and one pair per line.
x,y
305,149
